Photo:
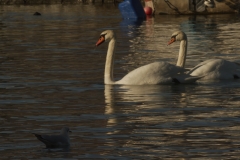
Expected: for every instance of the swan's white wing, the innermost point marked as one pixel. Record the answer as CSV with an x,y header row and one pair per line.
x,y
153,73
206,63
216,69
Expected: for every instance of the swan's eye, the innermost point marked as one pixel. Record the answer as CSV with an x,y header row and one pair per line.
x,y
173,39
103,35
101,40
174,36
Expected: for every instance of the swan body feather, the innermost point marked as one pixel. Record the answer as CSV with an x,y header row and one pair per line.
x,y
216,69
153,73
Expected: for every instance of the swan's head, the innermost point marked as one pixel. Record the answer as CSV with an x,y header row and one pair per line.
x,y
105,36
177,36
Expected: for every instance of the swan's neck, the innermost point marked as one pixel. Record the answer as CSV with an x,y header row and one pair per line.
x,y
108,75
182,53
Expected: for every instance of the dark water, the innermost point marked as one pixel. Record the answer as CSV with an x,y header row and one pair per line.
x,y
51,75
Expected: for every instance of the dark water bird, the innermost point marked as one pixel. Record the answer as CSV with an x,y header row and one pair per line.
x,y
54,141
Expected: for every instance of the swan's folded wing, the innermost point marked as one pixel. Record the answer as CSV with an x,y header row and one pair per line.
x,y
204,63
186,78
153,73
216,69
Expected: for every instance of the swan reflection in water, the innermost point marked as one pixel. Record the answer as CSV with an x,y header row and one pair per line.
x,y
127,99
161,117
150,104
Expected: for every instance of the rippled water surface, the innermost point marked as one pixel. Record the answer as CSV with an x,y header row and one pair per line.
x,y
51,75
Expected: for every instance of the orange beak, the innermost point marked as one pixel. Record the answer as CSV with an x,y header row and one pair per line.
x,y
100,41
171,40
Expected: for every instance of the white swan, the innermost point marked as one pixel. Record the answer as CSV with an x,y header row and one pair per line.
x,y
153,73
212,69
